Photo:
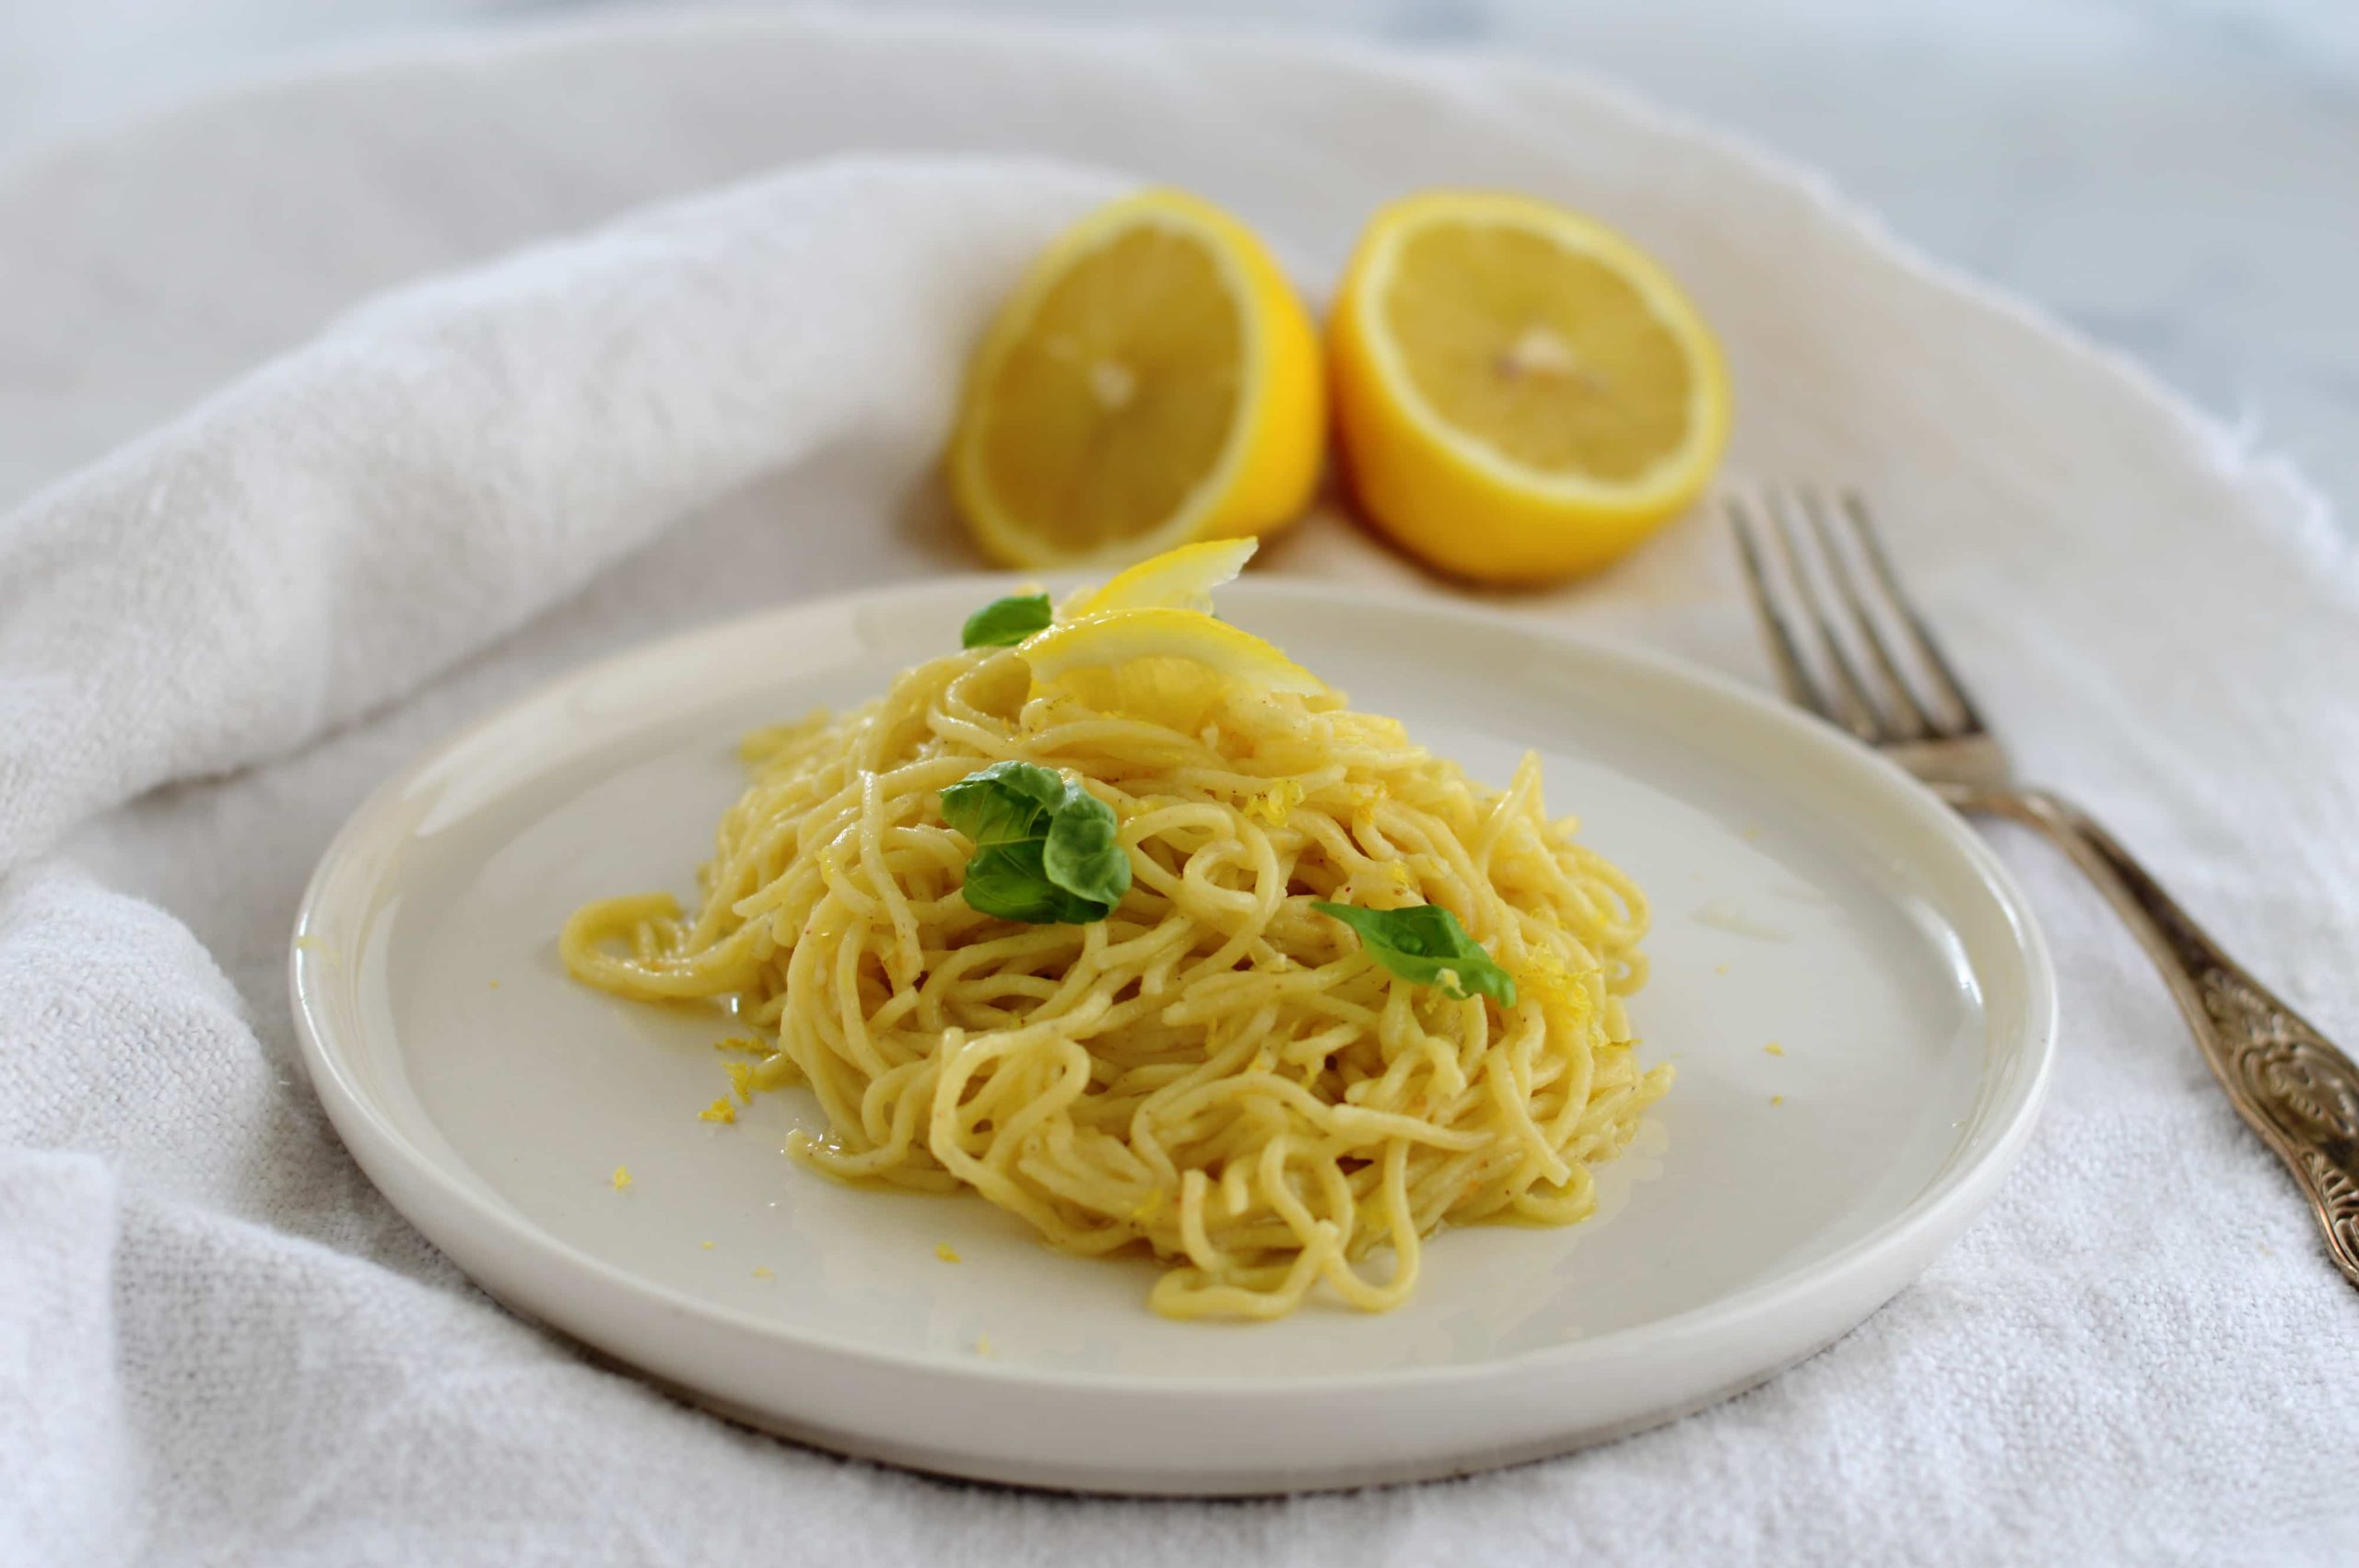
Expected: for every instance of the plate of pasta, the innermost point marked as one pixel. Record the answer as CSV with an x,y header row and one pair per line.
x,y
1171,1034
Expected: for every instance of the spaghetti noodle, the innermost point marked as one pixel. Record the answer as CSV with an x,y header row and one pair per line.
x,y
1214,1072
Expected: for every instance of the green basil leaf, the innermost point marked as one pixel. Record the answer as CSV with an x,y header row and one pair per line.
x,y
1003,623
1007,881
1004,803
1425,943
1080,854
1044,849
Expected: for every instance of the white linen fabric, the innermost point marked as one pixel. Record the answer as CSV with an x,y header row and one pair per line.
x,y
225,613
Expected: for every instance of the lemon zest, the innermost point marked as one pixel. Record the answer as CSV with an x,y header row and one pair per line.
x,y
1277,802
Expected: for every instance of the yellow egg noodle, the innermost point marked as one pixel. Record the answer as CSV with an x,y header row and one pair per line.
x,y
1215,1072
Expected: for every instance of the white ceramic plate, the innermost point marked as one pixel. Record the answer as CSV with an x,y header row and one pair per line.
x,y
1805,895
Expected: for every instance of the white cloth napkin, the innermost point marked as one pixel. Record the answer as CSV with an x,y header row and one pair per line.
x,y
333,530
218,1345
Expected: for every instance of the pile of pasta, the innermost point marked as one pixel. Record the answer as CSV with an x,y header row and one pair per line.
x,y
1216,1073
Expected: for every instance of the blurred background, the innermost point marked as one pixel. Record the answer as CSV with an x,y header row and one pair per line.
x,y
2178,179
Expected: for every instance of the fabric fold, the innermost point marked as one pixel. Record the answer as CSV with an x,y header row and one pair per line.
x,y
439,464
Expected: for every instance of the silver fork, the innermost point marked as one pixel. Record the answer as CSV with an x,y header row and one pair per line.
x,y
1831,608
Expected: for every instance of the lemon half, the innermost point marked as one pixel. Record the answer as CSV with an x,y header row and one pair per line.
x,y
1520,393
1153,381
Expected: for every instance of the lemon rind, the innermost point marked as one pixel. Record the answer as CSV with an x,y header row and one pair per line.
x,y
1094,601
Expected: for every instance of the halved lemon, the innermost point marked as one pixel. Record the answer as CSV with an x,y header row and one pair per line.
x,y
1520,393
1153,380
1175,666
1177,580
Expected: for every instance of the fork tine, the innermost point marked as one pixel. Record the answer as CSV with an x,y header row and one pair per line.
x,y
1853,707
1801,686
1910,719
1928,652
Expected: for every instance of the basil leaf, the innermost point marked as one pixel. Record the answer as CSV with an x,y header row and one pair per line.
x,y
1003,623
1004,803
1007,881
1080,854
1425,943
1044,848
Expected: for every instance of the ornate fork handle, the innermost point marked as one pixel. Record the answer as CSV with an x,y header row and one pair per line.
x,y
2289,1084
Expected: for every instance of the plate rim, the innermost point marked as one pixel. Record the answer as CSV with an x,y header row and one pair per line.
x,y
1953,1195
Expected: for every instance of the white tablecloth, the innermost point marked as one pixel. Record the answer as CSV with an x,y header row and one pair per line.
x,y
218,1345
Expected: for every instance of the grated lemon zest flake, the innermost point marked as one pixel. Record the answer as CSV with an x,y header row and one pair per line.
x,y
1277,802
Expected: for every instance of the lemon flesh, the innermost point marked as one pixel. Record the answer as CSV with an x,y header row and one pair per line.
x,y
1153,380
1118,402
1548,357
1521,394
